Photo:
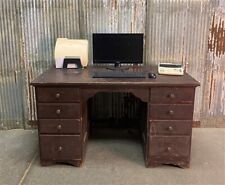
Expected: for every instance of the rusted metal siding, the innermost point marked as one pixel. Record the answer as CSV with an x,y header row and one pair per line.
x,y
11,83
214,84
42,22
190,32
29,29
177,32
113,16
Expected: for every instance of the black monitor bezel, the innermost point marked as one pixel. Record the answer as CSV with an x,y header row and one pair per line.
x,y
120,61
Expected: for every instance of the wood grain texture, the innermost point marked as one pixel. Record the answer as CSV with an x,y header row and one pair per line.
x,y
60,147
59,111
165,125
173,150
165,95
53,94
170,127
60,126
171,112
65,77
169,146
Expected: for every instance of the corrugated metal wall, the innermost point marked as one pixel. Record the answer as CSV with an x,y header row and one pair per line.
x,y
213,104
178,33
11,68
42,22
175,31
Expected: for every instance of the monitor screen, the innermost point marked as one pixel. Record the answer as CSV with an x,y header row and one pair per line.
x,y
123,48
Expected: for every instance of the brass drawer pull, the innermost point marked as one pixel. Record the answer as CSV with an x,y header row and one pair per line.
x,y
59,127
172,96
170,128
171,112
60,148
169,149
58,111
57,95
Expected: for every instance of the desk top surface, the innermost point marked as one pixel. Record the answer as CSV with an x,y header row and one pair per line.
x,y
74,77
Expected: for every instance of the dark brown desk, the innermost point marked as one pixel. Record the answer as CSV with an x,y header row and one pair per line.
x,y
63,124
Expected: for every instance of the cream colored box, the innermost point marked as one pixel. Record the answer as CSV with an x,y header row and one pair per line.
x,y
170,69
71,48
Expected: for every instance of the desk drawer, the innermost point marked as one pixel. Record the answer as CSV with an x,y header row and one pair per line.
x,y
59,111
170,146
171,112
56,94
170,127
60,147
168,95
64,126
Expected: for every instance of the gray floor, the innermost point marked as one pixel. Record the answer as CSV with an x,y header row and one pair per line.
x,y
111,161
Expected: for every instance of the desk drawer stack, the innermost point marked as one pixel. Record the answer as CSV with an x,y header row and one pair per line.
x,y
61,133
170,125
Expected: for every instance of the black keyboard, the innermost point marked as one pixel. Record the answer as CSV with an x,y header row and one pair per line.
x,y
118,74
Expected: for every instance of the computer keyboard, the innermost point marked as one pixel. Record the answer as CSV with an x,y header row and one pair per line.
x,y
118,74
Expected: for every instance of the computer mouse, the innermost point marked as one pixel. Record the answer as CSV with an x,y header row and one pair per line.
x,y
152,75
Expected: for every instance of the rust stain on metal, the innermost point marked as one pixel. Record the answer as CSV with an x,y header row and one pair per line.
x,y
214,87
29,91
115,4
216,41
15,76
211,87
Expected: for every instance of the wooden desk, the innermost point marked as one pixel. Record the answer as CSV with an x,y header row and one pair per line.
x,y
62,114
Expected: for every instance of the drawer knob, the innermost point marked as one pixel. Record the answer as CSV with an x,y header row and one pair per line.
x,y
170,128
59,127
172,96
58,111
60,148
171,112
57,95
169,149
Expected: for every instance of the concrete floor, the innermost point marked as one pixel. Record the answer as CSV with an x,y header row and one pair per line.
x,y
111,161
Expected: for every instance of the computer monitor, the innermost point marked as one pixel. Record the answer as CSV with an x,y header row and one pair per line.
x,y
111,48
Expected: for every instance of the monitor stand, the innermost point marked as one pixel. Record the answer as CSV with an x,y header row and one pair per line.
x,y
117,66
